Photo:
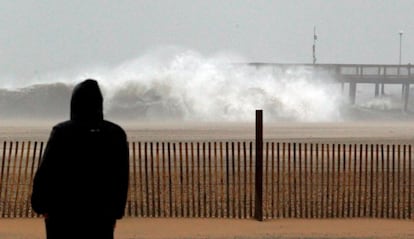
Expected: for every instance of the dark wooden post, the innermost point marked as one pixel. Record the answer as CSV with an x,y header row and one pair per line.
x,y
259,165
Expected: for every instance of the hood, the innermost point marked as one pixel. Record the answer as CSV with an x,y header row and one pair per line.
x,y
87,102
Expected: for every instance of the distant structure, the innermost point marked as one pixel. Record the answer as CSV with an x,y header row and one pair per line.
x,y
314,45
356,74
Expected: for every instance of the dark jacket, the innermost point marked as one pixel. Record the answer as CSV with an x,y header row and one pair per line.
x,y
85,167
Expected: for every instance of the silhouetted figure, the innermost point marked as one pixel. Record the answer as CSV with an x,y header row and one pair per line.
x,y
82,182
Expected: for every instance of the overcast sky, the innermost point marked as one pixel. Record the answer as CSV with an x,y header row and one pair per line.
x,y
37,37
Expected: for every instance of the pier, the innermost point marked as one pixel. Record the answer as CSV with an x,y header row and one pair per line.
x,y
353,74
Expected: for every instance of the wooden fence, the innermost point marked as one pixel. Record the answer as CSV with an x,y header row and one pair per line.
x,y
217,179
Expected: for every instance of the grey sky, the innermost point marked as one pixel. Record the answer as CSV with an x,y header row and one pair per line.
x,y
37,37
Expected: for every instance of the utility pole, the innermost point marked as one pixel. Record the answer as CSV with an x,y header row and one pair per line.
x,y
314,45
401,34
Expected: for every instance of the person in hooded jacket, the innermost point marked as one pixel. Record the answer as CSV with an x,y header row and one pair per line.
x,y
81,184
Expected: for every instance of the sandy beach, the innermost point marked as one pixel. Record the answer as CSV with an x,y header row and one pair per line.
x,y
173,228
385,132
134,228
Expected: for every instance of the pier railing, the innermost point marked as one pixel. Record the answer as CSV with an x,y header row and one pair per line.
x,y
217,179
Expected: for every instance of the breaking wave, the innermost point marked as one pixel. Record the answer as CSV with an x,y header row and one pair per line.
x,y
184,85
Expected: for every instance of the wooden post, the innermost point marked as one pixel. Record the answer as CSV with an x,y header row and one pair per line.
x,y
278,181
239,182
328,191
251,177
283,191
387,207
169,181
317,213
128,209
25,181
382,182
3,165
193,180
307,199
158,183
145,180
164,194
39,158
245,179
182,181
7,179
399,208
31,173
289,181
198,180
140,179
404,206
134,179
12,179
333,208
393,183
360,181
153,205
377,193
354,201
216,181
322,206
294,184
338,180
220,182
343,180
18,185
328,181
300,206
266,181
233,181
410,169
204,188
210,184
312,198
187,179
175,183
227,180
350,172
221,179
366,182
273,181
371,196
259,165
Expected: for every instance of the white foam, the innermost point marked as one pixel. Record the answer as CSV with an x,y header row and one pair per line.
x,y
184,84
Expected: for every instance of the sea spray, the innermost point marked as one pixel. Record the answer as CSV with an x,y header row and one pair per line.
x,y
192,87
185,85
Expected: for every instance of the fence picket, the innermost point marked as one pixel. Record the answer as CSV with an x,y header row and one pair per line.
x,y
216,179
